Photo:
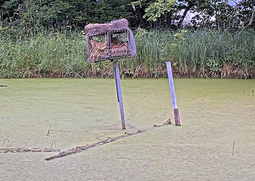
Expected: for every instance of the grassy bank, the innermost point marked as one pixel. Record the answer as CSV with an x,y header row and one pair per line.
x,y
200,53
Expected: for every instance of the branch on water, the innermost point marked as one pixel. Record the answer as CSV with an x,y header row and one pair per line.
x,y
82,148
108,140
76,149
168,122
23,150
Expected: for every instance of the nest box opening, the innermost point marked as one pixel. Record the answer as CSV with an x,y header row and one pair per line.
x,y
113,40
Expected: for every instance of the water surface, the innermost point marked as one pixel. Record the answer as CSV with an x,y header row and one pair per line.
x,y
65,113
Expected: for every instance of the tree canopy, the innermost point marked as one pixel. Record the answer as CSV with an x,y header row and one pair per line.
x,y
66,14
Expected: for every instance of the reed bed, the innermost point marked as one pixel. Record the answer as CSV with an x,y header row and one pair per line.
x,y
200,53
193,53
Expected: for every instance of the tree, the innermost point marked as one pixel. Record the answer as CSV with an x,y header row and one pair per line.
x,y
213,13
8,10
246,14
58,15
64,14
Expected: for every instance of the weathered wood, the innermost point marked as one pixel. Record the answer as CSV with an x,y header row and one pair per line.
x,y
97,29
168,122
22,150
82,148
102,44
108,140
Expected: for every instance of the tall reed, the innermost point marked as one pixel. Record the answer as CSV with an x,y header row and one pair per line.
x,y
194,53
43,55
199,53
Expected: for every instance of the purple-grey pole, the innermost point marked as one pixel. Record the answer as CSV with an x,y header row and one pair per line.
x,y
174,103
119,94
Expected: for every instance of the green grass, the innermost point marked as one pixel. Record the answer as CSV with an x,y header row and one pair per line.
x,y
43,55
200,53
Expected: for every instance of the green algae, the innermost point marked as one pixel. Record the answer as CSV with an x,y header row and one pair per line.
x,y
76,112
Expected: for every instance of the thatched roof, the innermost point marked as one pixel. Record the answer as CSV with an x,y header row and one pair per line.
x,y
112,47
116,25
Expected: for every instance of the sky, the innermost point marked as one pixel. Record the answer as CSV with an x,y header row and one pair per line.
x,y
190,15
231,2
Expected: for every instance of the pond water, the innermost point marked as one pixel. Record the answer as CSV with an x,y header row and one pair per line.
x,y
215,142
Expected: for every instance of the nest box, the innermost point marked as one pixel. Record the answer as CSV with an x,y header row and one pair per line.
x,y
113,40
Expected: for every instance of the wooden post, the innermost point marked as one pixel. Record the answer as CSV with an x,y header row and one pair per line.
x,y
119,94
174,103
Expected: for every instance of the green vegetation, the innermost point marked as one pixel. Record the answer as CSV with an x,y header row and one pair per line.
x,y
34,15
78,112
200,53
45,38
43,55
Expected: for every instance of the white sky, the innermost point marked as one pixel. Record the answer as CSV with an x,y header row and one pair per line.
x,y
190,15
232,2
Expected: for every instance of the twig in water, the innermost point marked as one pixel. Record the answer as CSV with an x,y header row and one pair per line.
x,y
6,139
53,142
49,130
233,148
23,150
168,122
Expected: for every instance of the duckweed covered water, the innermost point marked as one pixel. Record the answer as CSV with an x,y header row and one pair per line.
x,y
215,142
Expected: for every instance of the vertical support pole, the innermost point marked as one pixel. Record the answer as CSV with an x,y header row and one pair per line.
x,y
119,94
174,103
109,40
